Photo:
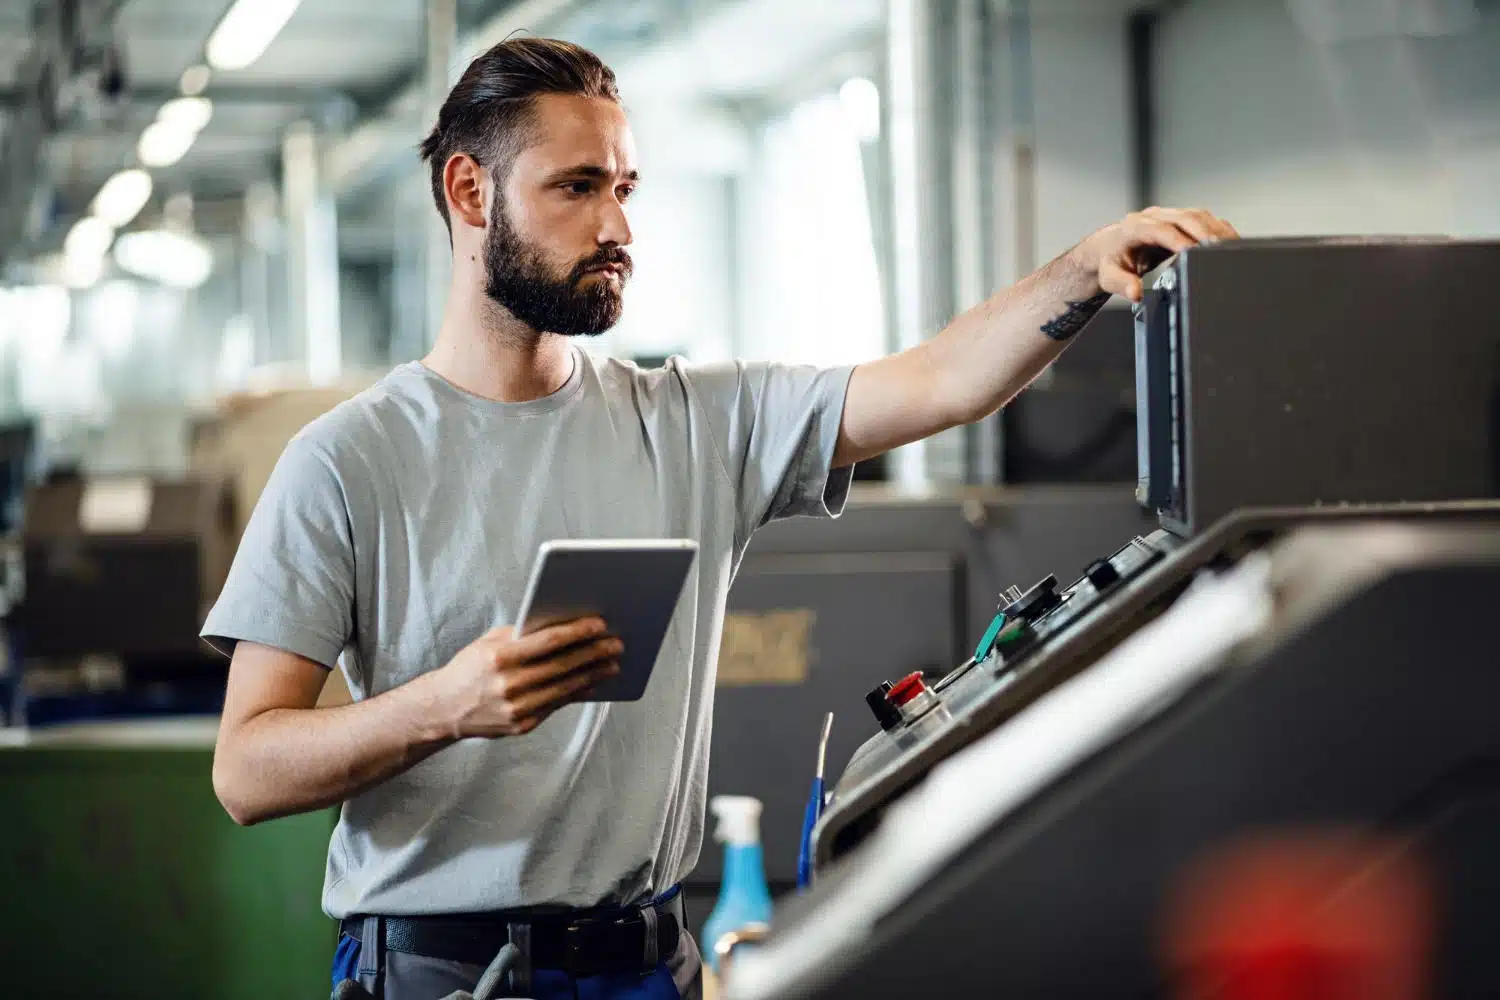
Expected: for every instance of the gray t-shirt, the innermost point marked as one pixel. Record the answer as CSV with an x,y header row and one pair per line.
x,y
401,526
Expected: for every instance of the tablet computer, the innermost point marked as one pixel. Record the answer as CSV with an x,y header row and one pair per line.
x,y
633,584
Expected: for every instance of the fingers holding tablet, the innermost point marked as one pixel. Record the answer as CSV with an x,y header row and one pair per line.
x,y
543,642
501,685
572,659
589,628
571,687
633,584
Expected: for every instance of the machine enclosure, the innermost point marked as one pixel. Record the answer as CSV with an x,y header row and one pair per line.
x,y
1317,371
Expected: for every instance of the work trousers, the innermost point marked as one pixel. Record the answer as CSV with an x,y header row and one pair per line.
x,y
416,977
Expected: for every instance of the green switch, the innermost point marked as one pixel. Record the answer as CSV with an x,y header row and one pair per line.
x,y
990,635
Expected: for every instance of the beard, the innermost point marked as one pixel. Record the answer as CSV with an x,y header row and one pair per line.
x,y
519,278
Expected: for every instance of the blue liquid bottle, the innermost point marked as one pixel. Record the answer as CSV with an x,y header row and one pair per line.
x,y
744,897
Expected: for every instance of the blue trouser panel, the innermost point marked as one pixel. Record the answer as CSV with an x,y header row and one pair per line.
x,y
345,960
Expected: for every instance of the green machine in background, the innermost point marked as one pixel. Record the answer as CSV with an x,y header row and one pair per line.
x,y
121,876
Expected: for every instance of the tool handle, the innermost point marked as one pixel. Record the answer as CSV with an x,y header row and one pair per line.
x,y
809,820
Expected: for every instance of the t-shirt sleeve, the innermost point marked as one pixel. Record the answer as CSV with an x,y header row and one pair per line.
x,y
291,585
776,427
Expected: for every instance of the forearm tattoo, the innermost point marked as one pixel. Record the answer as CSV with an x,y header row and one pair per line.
x,y
1075,318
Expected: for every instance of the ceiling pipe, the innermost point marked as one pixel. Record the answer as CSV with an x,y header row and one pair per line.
x,y
384,144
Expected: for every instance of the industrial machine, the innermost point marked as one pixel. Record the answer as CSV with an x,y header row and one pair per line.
x,y
1020,820
1298,671
118,574
1270,372
17,465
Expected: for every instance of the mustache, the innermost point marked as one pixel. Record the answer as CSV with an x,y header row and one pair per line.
x,y
601,257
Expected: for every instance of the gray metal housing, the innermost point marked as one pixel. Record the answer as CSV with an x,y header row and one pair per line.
x,y
1318,371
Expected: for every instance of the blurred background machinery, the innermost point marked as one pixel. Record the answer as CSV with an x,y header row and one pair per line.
x,y
213,228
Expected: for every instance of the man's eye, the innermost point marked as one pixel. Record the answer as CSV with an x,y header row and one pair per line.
x,y
579,187
626,192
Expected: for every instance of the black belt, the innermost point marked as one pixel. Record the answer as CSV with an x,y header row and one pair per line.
x,y
580,943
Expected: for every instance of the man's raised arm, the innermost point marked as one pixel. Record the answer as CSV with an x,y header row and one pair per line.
x,y
990,353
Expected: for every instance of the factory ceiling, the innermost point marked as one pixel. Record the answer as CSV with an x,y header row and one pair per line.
x,y
344,64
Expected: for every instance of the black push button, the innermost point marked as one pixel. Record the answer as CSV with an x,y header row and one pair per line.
x,y
888,715
1102,574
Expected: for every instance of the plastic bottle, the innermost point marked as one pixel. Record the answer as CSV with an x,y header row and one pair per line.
x,y
744,897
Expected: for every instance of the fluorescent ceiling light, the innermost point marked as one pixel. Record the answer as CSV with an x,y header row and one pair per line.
x,y
122,197
172,258
163,144
177,124
246,31
860,99
82,272
89,237
191,113
83,252
194,80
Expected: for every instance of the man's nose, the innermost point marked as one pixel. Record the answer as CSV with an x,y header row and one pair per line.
x,y
614,227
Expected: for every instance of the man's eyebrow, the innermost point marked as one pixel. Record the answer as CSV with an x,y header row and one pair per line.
x,y
590,171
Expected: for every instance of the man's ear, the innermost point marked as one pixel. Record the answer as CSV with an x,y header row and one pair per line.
x,y
463,185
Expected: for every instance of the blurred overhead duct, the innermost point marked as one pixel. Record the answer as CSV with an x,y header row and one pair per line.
x,y
729,48
77,69
1330,21
745,49
20,160
73,70
388,141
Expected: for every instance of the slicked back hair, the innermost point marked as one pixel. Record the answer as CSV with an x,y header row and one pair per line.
x,y
489,113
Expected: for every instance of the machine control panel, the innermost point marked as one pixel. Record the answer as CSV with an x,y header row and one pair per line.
x,y
1025,621
1100,577
919,717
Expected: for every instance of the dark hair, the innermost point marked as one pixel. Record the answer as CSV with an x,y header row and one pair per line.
x,y
488,113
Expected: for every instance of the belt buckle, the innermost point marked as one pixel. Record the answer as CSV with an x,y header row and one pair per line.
x,y
574,945
581,933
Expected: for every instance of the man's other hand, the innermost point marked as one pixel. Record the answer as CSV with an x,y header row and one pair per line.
x,y
1120,253
504,685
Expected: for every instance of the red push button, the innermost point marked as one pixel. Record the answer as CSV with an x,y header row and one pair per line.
x,y
906,689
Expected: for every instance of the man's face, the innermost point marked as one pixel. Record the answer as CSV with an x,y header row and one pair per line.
x,y
554,253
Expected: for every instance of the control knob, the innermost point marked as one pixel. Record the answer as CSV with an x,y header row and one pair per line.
x,y
1036,602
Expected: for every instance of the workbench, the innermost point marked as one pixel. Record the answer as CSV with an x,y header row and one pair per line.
x,y
121,875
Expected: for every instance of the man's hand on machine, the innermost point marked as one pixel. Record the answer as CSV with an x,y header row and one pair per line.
x,y
504,685
988,354
1120,253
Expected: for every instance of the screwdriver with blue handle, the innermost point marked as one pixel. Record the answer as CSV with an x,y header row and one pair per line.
x,y
814,809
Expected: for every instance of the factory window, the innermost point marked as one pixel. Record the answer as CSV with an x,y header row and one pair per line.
x,y
811,288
